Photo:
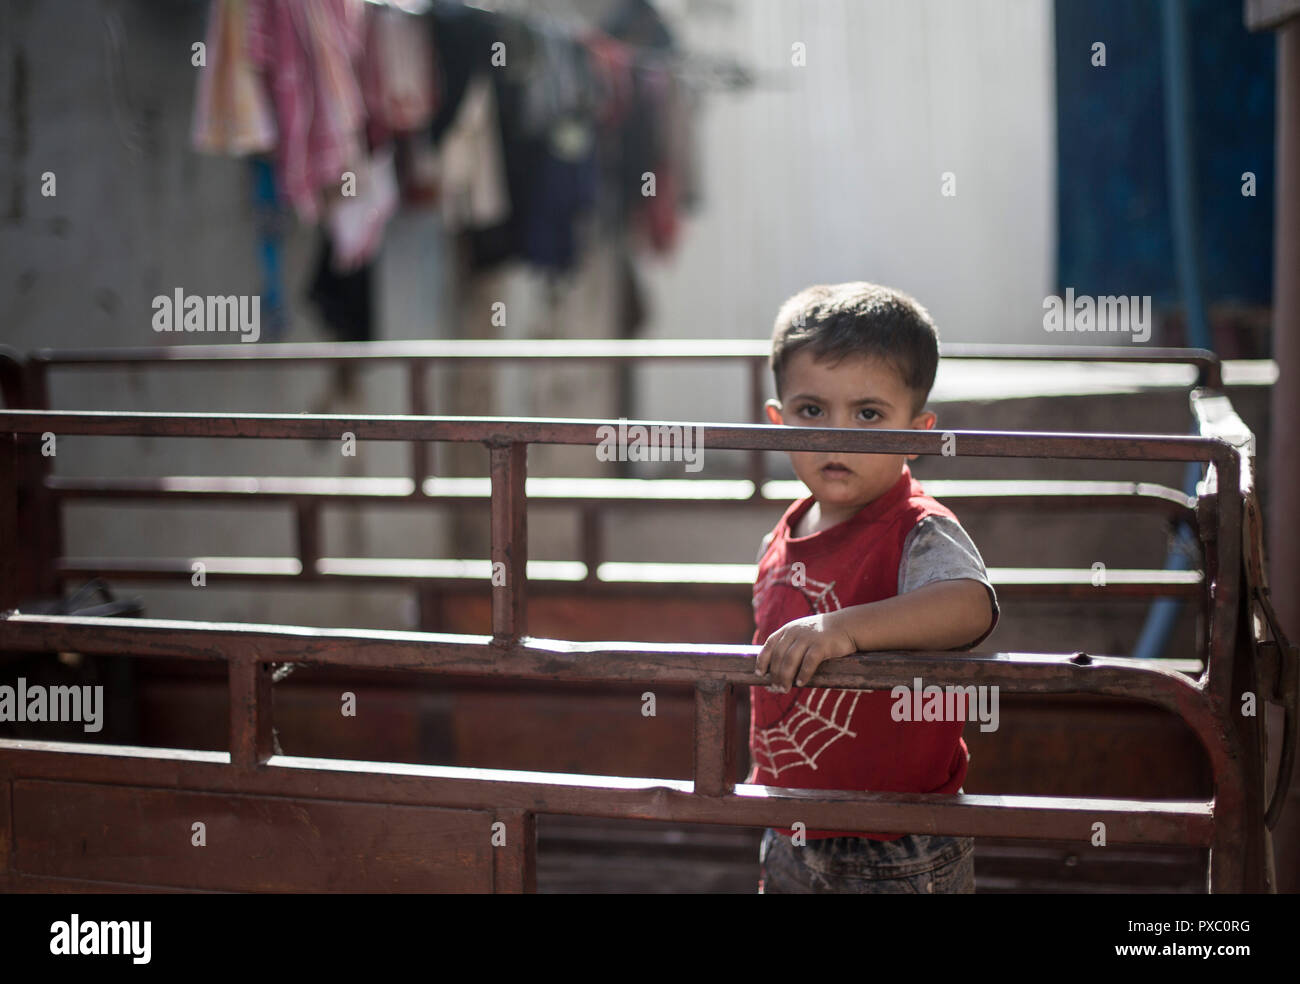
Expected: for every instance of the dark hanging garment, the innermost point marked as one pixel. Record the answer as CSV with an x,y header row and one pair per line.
x,y
342,299
462,41
491,246
566,187
637,22
565,183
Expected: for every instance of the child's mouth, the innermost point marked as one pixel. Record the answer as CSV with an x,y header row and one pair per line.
x,y
835,471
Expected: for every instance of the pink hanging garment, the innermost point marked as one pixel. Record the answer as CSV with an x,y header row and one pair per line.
x,y
309,51
399,82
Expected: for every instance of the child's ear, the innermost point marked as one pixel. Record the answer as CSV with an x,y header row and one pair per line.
x,y
773,410
922,421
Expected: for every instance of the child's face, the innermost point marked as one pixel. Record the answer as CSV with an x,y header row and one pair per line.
x,y
855,392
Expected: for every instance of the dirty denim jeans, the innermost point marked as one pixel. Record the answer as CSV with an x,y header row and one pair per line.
x,y
918,864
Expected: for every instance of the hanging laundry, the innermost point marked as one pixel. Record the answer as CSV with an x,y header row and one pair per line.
x,y
231,111
646,174
659,213
515,127
400,78
356,222
554,82
309,54
565,188
343,300
463,39
611,70
471,169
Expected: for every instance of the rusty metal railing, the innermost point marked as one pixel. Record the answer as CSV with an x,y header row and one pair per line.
x,y
591,499
418,356
1231,824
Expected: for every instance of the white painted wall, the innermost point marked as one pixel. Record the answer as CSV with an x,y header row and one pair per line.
x,y
831,171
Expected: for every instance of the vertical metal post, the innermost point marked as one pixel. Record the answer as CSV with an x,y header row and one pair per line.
x,y
757,462
715,751
9,587
1236,855
514,863
417,386
307,516
592,547
509,471
429,601
1284,443
250,710
43,544
1226,572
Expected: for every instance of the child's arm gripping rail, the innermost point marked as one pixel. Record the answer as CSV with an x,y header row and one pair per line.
x,y
941,615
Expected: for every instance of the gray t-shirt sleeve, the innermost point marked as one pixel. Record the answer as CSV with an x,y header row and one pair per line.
x,y
938,549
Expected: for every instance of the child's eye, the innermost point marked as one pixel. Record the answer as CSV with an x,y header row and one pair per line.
x,y
869,415
809,410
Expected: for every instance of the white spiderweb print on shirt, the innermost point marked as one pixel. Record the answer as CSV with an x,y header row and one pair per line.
x,y
810,727
820,595
808,730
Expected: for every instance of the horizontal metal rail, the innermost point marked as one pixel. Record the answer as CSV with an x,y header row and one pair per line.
x,y
1186,823
710,797
457,351
502,432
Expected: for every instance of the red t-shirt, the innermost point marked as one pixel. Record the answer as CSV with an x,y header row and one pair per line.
x,y
819,738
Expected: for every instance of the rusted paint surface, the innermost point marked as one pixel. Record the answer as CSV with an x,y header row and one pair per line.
x,y
514,852
11,378
11,584
560,661
250,710
700,665
418,405
143,835
6,826
1042,818
509,522
715,749
540,430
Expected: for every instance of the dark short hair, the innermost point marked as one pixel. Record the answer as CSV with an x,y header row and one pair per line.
x,y
839,320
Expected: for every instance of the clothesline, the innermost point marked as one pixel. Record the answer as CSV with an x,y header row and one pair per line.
x,y
702,70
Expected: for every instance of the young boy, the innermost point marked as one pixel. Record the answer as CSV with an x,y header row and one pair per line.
x,y
866,562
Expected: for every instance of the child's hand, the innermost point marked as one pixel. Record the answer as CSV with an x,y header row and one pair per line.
x,y
794,651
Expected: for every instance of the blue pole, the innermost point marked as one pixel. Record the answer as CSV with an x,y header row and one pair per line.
x,y
1181,164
